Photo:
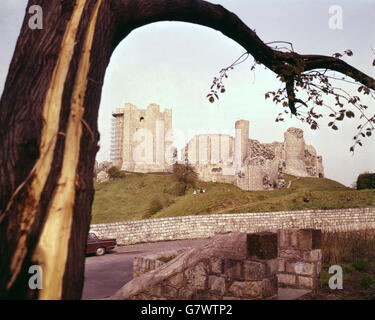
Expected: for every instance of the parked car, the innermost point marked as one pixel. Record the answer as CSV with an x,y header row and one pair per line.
x,y
99,246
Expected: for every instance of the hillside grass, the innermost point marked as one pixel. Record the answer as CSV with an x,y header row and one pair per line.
x,y
129,198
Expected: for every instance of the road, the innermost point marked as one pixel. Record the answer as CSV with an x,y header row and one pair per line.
x,y
106,274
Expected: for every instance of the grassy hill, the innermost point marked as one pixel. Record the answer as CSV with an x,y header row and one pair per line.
x,y
130,198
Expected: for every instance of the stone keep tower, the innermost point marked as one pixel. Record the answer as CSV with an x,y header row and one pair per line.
x,y
141,141
241,143
294,145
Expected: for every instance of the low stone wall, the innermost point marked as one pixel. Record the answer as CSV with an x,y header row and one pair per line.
x,y
298,265
150,262
300,258
205,226
229,267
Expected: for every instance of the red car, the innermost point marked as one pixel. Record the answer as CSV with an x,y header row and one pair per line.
x,y
99,246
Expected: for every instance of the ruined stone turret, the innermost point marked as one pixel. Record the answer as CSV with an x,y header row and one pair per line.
x,y
294,145
241,142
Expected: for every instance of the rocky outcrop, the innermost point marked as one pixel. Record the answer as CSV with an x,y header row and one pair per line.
x,y
103,166
102,176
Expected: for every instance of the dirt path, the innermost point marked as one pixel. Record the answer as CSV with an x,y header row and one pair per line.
x,y
290,182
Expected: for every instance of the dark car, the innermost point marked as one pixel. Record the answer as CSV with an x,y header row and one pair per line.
x,y
99,246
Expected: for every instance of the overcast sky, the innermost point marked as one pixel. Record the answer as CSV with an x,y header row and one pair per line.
x,y
173,64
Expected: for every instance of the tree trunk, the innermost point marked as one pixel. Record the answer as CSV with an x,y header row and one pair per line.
x,y
48,128
48,143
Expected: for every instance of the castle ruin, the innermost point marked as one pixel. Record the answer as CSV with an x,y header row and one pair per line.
x,y
249,164
142,143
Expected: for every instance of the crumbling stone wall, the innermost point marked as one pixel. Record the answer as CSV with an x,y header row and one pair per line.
x,y
230,266
257,149
255,165
150,262
300,258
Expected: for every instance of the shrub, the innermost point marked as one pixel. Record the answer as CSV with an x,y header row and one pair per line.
x,y
115,172
155,206
185,175
366,281
361,264
324,278
366,181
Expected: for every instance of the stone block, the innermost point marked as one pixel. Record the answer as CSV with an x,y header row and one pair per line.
x,y
286,279
216,265
309,239
291,254
269,286
242,289
253,270
289,267
262,245
305,282
233,269
312,255
170,292
287,238
185,293
272,266
304,268
176,280
204,295
157,291
231,246
216,284
196,277
281,263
